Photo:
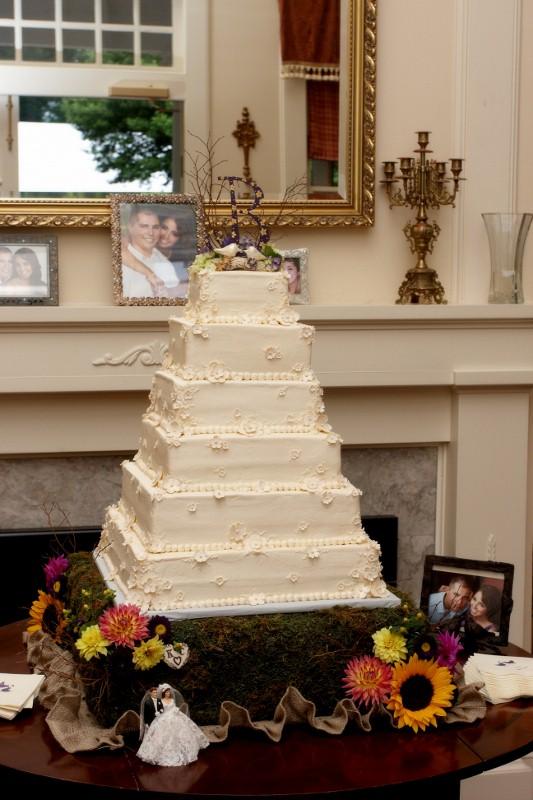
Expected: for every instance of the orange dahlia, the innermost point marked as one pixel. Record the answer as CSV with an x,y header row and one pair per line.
x,y
367,680
46,614
124,624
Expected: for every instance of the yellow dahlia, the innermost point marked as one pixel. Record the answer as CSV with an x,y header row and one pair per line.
x,y
367,680
389,646
91,643
46,614
420,692
124,624
148,653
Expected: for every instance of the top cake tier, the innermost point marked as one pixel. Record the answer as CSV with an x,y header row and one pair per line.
x,y
257,297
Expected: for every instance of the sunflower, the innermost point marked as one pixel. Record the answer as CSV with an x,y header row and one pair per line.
x,y
420,692
46,614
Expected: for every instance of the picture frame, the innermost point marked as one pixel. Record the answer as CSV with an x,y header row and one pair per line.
x,y
154,240
28,270
297,261
477,595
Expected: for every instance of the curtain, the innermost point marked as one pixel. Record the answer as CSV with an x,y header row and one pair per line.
x,y
310,40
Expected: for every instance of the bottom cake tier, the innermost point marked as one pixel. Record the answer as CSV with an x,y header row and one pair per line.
x,y
253,574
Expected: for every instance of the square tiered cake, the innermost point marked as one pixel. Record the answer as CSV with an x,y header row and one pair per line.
x,y
235,502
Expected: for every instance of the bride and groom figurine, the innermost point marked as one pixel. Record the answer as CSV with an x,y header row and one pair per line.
x,y
169,737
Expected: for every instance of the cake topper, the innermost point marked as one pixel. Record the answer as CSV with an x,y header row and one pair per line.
x,y
225,244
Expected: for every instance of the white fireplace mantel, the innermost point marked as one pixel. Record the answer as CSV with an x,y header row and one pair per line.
x,y
75,380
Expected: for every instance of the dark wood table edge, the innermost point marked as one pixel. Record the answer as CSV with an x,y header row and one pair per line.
x,y
439,786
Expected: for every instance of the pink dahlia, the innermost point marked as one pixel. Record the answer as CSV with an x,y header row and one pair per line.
x,y
448,647
124,624
54,569
367,680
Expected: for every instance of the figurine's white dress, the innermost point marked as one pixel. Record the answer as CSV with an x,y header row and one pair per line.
x,y
172,740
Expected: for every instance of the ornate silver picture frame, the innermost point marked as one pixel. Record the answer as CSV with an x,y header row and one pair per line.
x,y
28,270
154,240
295,265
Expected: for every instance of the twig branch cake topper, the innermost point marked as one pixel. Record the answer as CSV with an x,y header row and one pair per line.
x,y
226,246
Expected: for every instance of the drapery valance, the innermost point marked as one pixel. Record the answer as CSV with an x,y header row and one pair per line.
x,y
310,39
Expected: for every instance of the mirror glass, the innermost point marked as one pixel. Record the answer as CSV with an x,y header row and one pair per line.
x,y
284,87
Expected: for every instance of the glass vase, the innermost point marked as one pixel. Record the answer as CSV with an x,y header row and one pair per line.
x,y
507,235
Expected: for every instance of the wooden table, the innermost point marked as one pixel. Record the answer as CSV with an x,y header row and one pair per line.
x,y
305,764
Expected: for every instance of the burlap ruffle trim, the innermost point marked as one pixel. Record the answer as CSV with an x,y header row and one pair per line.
x,y
76,729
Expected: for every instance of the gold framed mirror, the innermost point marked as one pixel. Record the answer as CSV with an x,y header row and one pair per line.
x,y
351,205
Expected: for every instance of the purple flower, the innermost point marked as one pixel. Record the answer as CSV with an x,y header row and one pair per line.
x,y
54,569
448,647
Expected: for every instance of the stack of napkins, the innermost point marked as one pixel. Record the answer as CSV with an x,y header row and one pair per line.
x,y
17,692
505,677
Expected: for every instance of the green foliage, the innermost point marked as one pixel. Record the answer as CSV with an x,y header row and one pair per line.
x,y
248,659
131,138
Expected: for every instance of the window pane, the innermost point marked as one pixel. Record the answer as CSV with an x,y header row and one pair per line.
x,y
156,49
6,9
78,10
159,13
38,44
117,12
38,9
78,47
117,47
7,44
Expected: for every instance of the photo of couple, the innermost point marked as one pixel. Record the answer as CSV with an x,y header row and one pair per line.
x,y
464,595
475,594
154,243
28,270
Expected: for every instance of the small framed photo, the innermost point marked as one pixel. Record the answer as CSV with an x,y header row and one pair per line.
x,y
154,239
28,270
473,595
295,265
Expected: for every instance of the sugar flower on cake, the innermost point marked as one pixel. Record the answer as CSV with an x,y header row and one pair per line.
x,y
448,648
367,681
124,624
390,646
420,692
91,643
149,653
54,569
47,615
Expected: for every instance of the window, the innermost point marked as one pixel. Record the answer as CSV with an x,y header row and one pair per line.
x,y
97,32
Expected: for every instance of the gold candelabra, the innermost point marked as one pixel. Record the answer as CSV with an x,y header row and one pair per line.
x,y
424,185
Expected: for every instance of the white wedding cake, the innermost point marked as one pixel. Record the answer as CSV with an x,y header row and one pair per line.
x,y
235,502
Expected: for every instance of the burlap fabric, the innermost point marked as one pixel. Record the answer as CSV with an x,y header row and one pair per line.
x,y
76,729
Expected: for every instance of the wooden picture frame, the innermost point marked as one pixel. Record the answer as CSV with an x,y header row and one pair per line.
x,y
154,240
295,264
28,270
476,594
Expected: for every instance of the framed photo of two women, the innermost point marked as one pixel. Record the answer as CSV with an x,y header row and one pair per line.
x,y
28,270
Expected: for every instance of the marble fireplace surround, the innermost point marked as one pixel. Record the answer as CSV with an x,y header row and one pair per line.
x,y
433,404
